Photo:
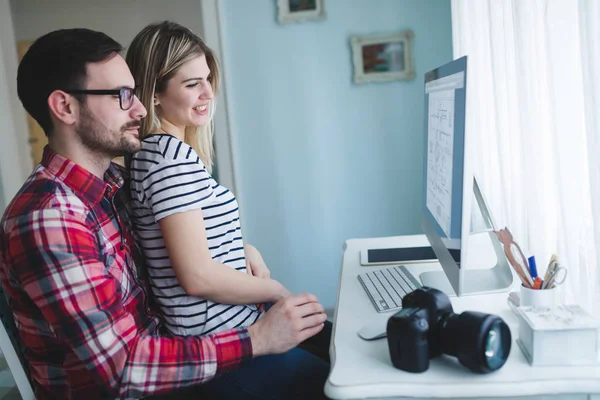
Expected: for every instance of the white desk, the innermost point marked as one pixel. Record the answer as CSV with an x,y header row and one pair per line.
x,y
363,369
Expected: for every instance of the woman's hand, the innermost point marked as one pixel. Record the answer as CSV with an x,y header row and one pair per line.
x,y
255,265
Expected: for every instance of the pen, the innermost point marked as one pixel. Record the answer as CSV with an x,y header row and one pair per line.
x,y
521,269
532,267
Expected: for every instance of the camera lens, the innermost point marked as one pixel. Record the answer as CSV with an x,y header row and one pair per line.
x,y
481,342
496,348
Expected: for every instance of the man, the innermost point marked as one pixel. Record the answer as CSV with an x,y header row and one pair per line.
x,y
82,309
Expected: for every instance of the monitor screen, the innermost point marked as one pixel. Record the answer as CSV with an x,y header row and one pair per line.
x,y
445,103
449,191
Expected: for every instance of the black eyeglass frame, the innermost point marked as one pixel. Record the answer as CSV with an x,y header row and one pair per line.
x,y
121,92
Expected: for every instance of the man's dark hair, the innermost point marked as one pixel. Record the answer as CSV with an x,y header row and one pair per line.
x,y
57,61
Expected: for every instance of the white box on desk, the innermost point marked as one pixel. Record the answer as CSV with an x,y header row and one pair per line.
x,y
562,335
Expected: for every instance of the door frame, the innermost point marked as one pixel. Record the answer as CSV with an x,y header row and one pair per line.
x,y
15,157
224,139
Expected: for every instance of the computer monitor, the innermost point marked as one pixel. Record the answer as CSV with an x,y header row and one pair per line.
x,y
450,191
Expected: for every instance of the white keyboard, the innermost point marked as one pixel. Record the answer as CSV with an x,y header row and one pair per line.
x,y
386,287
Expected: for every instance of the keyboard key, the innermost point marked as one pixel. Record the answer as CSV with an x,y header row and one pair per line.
x,y
387,287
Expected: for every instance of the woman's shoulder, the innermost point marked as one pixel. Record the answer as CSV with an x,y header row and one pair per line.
x,y
164,147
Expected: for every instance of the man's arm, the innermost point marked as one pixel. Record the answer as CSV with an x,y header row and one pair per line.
x,y
55,257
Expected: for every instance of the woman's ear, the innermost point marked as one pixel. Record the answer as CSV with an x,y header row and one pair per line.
x,y
155,101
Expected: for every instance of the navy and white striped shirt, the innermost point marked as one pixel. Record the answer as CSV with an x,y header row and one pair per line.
x,y
168,177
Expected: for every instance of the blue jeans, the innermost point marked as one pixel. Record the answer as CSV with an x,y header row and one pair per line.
x,y
296,374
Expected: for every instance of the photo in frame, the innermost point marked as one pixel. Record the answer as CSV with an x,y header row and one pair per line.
x,y
383,57
290,11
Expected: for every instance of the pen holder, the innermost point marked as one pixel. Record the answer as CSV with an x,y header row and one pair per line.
x,y
539,297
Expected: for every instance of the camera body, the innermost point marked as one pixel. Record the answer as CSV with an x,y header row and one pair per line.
x,y
427,327
413,332
410,349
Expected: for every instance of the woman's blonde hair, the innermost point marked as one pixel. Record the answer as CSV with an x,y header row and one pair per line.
x,y
154,57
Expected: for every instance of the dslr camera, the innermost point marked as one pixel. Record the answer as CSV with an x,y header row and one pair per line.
x,y
427,327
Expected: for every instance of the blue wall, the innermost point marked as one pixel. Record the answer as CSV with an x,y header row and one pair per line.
x,y
320,159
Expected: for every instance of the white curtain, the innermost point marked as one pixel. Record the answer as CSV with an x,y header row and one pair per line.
x,y
533,108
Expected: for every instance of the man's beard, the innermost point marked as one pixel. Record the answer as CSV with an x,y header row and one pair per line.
x,y
99,139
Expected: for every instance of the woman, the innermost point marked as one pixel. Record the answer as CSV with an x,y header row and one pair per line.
x,y
186,223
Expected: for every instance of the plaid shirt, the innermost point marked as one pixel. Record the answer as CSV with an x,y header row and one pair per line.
x,y
81,308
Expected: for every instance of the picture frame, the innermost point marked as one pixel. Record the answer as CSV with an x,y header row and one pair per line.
x,y
383,57
292,11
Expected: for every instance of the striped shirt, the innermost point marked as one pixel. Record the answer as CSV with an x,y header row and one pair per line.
x,y
168,177
80,306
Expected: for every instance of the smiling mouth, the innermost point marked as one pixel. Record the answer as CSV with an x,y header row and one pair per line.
x,y
200,108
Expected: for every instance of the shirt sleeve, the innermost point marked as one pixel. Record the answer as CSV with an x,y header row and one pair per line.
x,y
54,256
179,185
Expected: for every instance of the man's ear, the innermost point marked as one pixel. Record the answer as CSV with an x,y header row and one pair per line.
x,y
64,107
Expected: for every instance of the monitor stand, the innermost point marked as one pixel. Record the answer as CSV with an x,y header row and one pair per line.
x,y
475,281
492,280
439,281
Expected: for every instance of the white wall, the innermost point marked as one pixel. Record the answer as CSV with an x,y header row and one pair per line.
x,y
120,19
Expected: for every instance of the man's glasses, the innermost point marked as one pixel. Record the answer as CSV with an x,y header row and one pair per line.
x,y
126,95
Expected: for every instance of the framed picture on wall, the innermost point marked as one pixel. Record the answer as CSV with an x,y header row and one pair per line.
x,y
382,58
290,11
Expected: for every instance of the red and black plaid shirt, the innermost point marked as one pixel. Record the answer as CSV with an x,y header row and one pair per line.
x,y
79,304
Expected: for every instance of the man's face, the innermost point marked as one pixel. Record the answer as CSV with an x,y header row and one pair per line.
x,y
103,126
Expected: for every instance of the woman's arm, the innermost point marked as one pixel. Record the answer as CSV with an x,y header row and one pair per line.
x,y
255,265
199,275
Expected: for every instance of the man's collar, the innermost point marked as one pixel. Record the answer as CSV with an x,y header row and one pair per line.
x,y
81,181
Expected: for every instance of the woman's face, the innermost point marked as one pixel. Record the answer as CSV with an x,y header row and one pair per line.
x,y
185,100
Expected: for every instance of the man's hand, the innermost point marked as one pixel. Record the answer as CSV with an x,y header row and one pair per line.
x,y
255,264
288,323
282,293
